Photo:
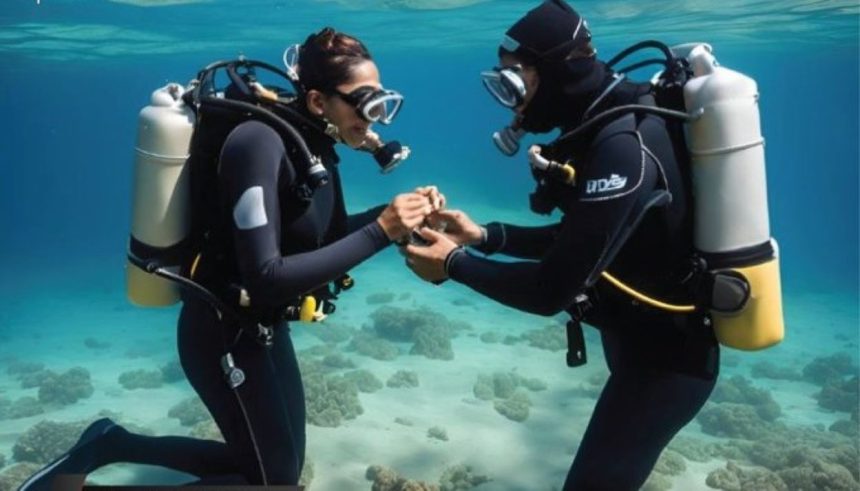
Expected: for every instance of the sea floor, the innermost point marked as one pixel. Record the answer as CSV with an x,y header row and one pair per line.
x,y
77,316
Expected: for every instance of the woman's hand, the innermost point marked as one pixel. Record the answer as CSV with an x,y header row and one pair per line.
x,y
428,261
457,226
436,198
405,212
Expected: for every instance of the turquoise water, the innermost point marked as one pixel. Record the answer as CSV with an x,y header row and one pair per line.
x,y
76,73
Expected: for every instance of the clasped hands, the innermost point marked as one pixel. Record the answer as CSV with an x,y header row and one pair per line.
x,y
426,231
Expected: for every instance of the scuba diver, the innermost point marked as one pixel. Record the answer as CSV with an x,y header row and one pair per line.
x,y
279,230
625,202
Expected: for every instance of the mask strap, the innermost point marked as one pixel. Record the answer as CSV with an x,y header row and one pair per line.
x,y
291,61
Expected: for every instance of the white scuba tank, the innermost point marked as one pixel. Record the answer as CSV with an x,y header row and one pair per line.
x,y
730,193
160,217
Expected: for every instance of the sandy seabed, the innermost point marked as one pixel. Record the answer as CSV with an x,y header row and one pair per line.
x,y
50,317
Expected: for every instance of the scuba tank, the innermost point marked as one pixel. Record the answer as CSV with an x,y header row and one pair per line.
x,y
736,260
731,230
176,159
180,135
159,220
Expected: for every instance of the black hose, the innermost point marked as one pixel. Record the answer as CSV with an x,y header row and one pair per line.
x,y
269,117
205,77
154,267
644,63
239,82
640,46
620,110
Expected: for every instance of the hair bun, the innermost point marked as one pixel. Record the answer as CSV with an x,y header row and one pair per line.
x,y
325,38
326,58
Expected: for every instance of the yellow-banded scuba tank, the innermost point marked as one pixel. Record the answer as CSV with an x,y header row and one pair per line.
x,y
176,156
731,230
179,139
736,258
160,196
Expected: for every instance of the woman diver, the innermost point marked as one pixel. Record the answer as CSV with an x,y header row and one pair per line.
x,y
277,246
663,366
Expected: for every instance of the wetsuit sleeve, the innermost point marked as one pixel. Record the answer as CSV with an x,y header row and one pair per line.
x,y
614,179
358,220
253,168
516,241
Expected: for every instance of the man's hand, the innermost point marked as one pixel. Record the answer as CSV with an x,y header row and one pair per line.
x,y
457,226
428,262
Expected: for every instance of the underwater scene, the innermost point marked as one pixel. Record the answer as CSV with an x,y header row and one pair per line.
x,y
412,386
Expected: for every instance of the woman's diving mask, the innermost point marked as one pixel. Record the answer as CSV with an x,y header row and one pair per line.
x,y
379,106
374,105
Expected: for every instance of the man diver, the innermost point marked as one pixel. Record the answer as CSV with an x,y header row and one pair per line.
x,y
663,366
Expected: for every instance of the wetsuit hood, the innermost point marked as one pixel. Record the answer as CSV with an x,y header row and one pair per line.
x,y
545,38
625,92
565,90
550,31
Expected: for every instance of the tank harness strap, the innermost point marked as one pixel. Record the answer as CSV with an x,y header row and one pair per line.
x,y
657,198
173,255
713,285
313,307
724,291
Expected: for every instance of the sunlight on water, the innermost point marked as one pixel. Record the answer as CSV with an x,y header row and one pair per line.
x,y
63,30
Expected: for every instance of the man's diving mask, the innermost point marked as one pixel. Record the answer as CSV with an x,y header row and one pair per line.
x,y
372,104
506,85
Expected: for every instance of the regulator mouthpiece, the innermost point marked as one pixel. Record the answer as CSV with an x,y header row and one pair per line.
x,y
508,140
390,155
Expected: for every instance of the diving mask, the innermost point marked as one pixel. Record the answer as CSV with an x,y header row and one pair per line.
x,y
375,105
506,85
291,61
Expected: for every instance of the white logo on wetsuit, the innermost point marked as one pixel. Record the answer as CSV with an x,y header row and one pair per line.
x,y
250,209
614,182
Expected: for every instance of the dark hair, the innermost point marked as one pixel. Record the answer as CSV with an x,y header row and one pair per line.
x,y
327,58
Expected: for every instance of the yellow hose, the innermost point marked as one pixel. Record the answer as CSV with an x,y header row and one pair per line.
x,y
644,299
194,265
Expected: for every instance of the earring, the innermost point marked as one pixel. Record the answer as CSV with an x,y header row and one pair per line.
x,y
332,131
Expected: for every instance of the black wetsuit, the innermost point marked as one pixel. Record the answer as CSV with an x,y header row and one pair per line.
x,y
663,366
278,247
